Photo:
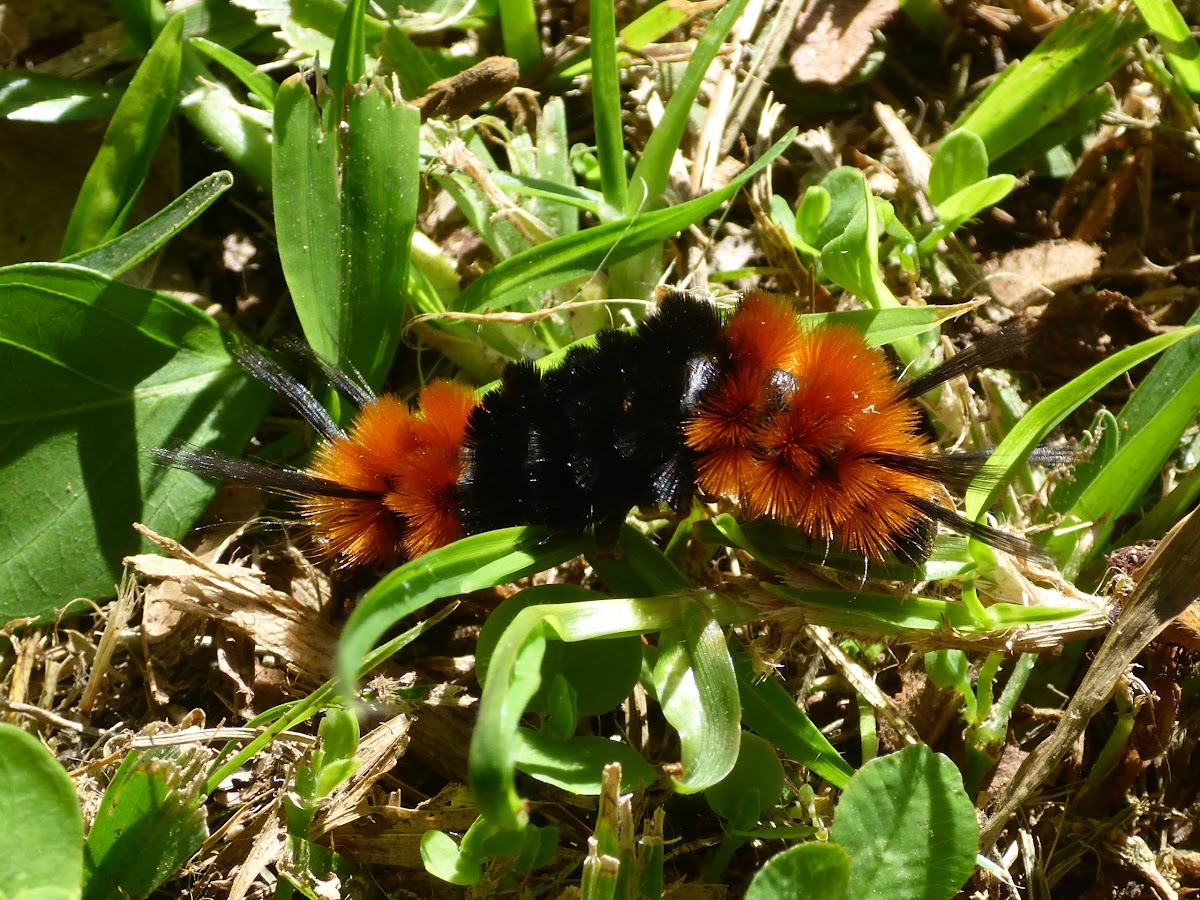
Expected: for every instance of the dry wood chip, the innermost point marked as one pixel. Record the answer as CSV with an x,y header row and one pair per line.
x,y
391,836
462,94
834,38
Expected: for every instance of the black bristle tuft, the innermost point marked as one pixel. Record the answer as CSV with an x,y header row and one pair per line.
x,y
584,443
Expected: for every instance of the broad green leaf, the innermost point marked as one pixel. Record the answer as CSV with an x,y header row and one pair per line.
x,y
974,199
149,823
98,372
697,689
579,255
41,843
908,826
757,770
851,259
814,209
142,241
460,864
602,672
38,97
514,677
811,871
119,170
1075,59
345,210
577,764
841,195
959,162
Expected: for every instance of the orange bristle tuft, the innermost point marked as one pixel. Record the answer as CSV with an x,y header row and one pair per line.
x,y
796,428
763,334
411,461
423,490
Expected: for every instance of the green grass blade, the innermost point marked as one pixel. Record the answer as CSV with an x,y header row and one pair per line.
x,y
345,214
697,690
380,186
579,255
888,614
260,84
606,107
99,371
769,710
38,97
519,25
656,22
1082,52
1164,406
242,133
142,20
307,213
882,327
649,181
348,62
1038,422
119,170
138,244
409,62
1175,37
472,564
149,822
558,206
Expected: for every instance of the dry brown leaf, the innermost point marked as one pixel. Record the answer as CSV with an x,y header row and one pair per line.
x,y
835,37
1033,274
291,626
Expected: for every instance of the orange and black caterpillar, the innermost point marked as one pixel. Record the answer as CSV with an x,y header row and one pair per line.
x,y
805,425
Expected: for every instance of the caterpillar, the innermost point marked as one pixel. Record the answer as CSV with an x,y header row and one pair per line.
x,y
806,425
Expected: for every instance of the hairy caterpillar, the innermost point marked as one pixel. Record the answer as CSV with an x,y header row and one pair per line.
x,y
805,425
